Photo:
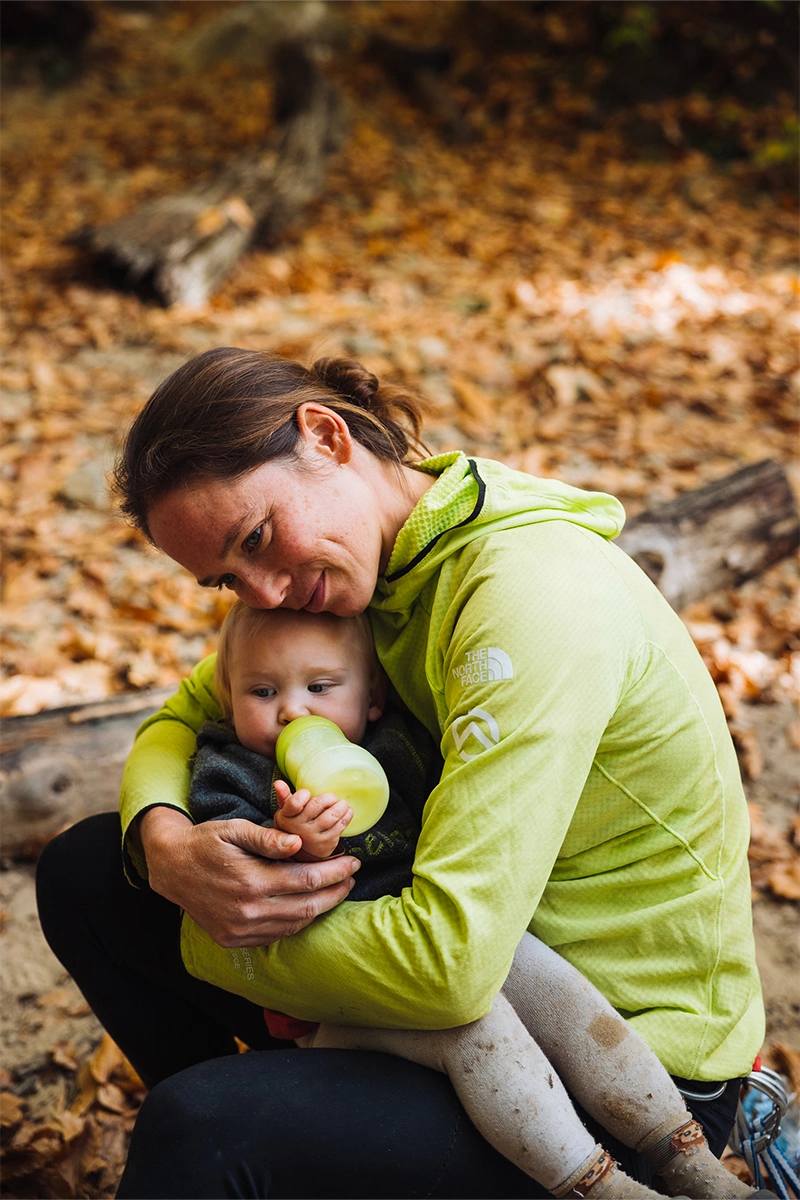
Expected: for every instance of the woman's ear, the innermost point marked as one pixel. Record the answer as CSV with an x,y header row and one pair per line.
x,y
377,696
325,433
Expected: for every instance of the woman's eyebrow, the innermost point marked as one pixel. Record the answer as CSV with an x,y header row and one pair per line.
x,y
234,533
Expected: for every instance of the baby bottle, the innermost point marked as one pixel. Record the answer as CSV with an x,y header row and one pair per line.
x,y
313,753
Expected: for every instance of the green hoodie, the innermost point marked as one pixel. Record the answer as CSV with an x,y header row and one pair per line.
x,y
590,791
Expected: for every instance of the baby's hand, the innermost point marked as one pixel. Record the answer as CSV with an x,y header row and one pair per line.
x,y
318,820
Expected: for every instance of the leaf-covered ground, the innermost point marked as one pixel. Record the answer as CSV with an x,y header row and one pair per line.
x,y
565,301
581,292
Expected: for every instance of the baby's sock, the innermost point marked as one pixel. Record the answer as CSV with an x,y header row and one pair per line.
x,y
680,1155
600,1177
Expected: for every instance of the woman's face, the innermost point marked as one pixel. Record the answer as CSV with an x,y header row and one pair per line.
x,y
290,534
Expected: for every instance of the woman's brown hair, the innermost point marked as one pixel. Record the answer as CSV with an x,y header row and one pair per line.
x,y
228,411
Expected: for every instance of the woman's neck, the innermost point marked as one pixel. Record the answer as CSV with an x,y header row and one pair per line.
x,y
401,489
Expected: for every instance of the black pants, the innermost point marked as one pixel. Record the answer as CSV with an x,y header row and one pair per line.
x,y
286,1123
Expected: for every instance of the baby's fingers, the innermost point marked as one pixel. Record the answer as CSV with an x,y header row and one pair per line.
x,y
320,804
294,803
337,817
282,792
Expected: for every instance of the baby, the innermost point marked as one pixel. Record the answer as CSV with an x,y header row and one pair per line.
x,y
544,1027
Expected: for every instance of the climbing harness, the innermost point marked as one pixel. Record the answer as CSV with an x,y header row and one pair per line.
x,y
756,1134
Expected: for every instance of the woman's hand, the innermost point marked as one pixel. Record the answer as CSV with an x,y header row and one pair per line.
x,y
227,875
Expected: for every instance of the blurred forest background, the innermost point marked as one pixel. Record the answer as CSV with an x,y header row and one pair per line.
x,y
570,226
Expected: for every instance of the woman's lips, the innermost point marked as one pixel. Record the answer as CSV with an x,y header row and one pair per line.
x,y
316,603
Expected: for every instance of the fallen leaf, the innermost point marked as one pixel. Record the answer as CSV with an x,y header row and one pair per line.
x,y
55,999
473,402
106,1058
569,383
784,880
128,1078
210,221
240,213
787,1061
112,1098
79,1009
767,842
11,1109
71,1124
738,1167
63,1055
86,1093
21,695
750,751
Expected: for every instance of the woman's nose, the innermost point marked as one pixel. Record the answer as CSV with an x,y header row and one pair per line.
x,y
262,590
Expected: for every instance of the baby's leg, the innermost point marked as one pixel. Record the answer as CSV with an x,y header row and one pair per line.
x,y
612,1072
511,1093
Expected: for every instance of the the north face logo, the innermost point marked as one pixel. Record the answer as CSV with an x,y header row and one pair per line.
x,y
478,729
484,666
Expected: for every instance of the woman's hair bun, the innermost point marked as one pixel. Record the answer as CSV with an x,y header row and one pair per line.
x,y
349,379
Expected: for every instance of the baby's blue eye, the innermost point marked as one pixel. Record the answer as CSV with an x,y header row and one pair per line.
x,y
318,687
263,693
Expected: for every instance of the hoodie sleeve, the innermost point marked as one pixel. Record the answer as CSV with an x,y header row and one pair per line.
x,y
158,770
527,673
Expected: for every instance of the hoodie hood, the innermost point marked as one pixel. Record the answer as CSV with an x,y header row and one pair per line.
x,y
471,498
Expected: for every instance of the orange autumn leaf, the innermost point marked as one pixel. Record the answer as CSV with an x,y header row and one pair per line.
x,y
111,1097
11,1109
63,1055
72,1126
105,1060
784,880
786,1060
210,221
237,210
86,1093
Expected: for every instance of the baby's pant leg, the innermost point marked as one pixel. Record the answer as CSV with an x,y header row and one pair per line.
x,y
509,1089
608,1068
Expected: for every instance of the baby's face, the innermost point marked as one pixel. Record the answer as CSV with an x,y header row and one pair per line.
x,y
304,669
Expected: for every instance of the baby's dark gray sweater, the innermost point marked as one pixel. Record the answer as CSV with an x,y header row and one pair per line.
x,y
230,781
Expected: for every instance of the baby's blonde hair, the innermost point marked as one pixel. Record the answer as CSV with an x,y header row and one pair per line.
x,y
241,621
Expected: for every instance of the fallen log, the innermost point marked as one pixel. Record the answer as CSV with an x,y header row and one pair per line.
x,y
65,764
716,536
180,248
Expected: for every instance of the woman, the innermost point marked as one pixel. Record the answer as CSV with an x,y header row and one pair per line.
x,y
590,792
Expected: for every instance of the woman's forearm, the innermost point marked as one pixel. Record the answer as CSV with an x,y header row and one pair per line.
x,y
157,771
